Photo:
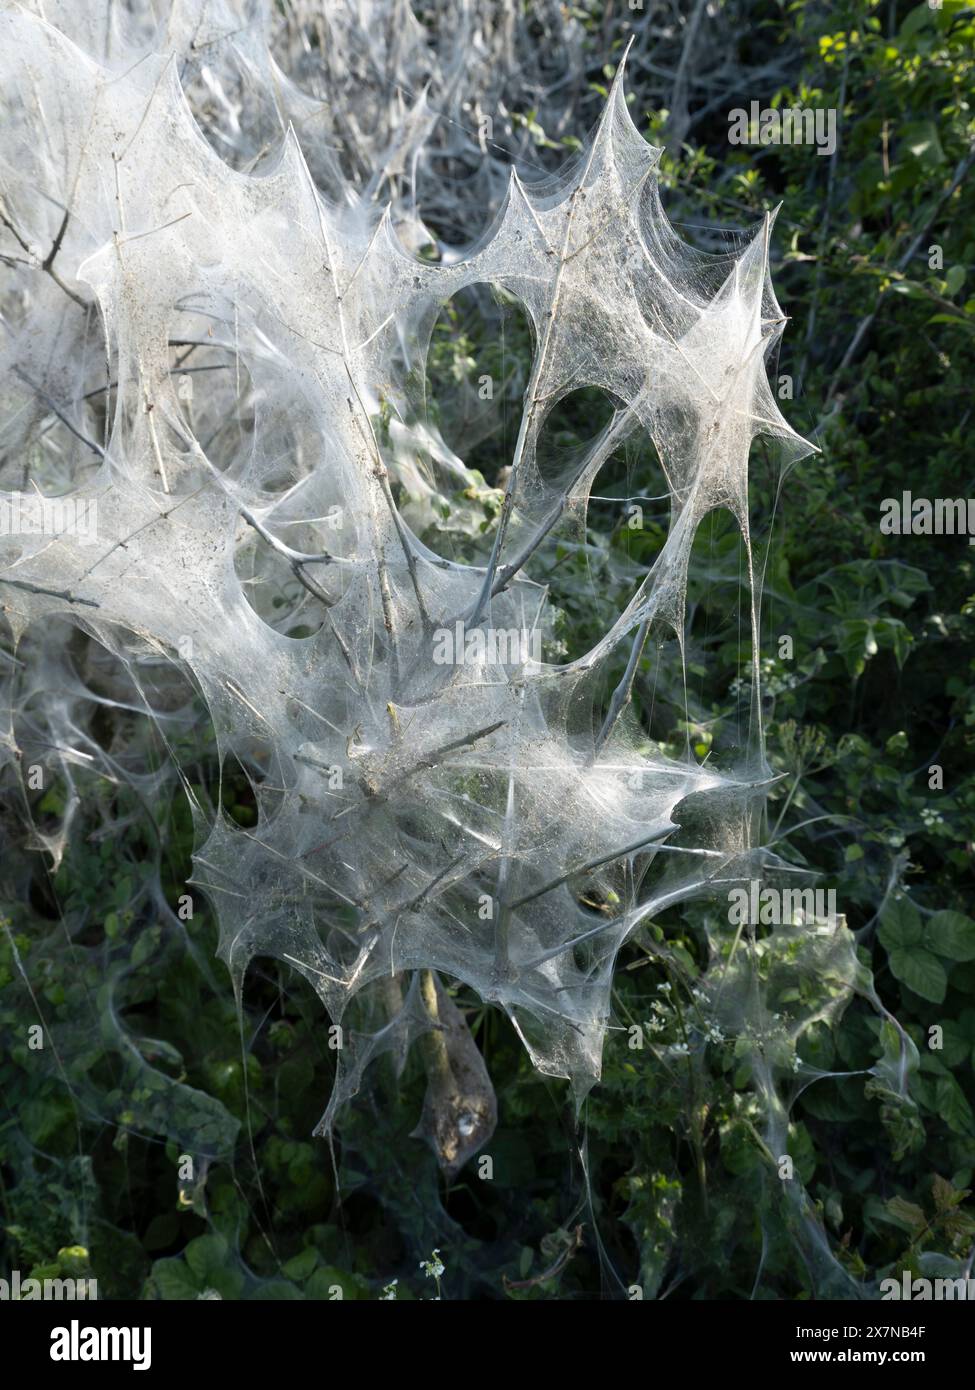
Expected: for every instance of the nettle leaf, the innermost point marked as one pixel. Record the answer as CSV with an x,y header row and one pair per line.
x,y
920,971
906,1214
945,1194
952,935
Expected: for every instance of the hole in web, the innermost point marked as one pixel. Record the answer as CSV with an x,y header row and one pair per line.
x,y
216,399
163,687
238,800
630,500
552,529
230,106
295,1031
477,369
274,591
210,382
252,782
718,639
246,410
568,434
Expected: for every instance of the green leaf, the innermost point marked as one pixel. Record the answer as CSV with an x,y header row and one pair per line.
x,y
175,1280
955,1045
900,924
918,18
163,1228
952,1106
920,971
801,1148
952,934
211,1260
323,1283
145,944
301,1266
921,139
906,1214
945,1195
739,1152
954,280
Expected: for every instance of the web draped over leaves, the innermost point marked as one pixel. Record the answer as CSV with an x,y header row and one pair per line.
x,y
232,355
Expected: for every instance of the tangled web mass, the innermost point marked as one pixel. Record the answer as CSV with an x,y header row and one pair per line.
x,y
231,357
